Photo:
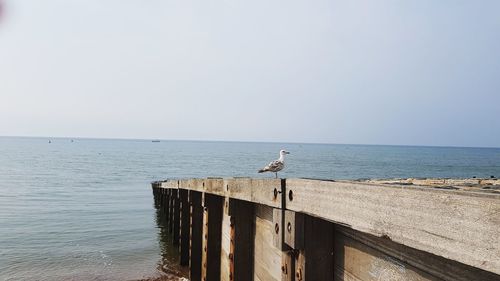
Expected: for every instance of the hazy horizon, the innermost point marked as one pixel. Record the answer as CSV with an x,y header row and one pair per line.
x,y
236,141
418,73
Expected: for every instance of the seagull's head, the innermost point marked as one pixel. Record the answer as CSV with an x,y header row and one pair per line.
x,y
283,152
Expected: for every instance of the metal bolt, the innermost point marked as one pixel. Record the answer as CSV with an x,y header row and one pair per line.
x,y
290,195
276,228
289,227
299,274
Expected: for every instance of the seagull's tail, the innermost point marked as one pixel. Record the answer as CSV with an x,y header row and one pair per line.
x,y
262,171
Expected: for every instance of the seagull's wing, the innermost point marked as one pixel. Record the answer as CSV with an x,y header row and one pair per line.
x,y
274,166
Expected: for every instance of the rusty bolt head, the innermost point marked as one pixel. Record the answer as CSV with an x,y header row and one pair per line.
x,y
299,274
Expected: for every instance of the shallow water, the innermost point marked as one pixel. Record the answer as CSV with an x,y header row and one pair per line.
x,y
83,210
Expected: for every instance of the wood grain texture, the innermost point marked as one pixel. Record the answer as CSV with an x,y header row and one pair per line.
x,y
288,266
355,261
294,226
457,225
225,244
262,191
278,234
420,261
267,258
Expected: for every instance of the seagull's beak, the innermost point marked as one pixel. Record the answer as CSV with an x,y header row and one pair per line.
x,y
286,152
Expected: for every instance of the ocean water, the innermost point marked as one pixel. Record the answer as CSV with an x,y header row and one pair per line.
x,y
83,209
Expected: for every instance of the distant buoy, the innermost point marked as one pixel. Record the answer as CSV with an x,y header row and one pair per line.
x,y
50,141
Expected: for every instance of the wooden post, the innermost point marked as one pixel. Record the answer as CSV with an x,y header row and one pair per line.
x,y
177,221
212,235
196,235
242,240
184,237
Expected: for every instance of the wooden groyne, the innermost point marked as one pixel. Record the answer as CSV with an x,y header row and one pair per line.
x,y
302,229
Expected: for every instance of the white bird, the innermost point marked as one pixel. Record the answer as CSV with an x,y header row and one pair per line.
x,y
276,165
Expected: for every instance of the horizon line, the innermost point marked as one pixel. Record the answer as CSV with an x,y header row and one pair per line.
x,y
245,141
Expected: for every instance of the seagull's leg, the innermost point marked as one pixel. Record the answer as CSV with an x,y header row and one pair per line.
x,y
276,174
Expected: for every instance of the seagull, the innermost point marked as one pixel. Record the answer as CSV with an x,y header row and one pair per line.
x,y
276,165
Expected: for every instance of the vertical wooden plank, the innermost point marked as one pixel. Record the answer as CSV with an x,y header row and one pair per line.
x,y
226,264
204,256
278,235
196,236
177,223
214,206
165,204
294,229
267,258
173,194
315,262
243,229
185,219
288,265
300,265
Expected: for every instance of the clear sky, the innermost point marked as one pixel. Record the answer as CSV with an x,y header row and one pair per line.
x,y
376,72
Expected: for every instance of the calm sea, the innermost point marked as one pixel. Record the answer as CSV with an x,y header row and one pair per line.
x,y
83,209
